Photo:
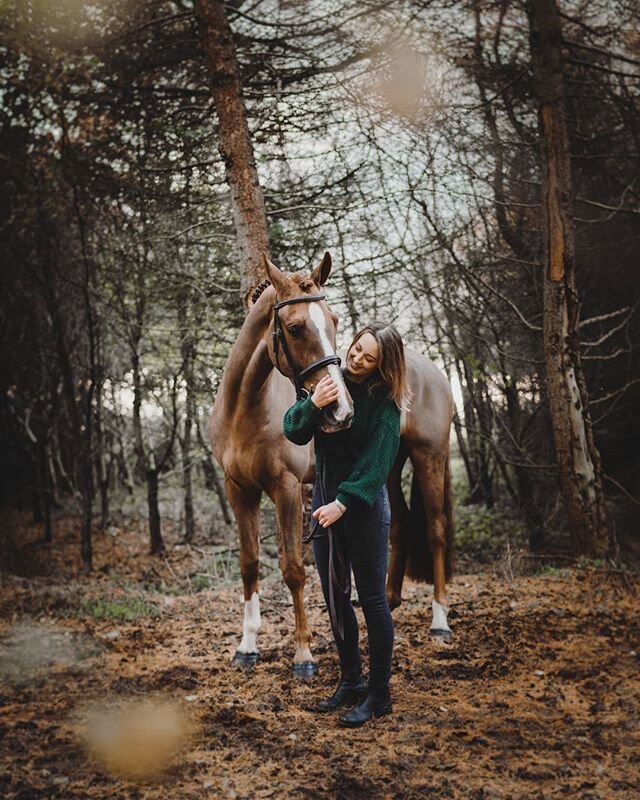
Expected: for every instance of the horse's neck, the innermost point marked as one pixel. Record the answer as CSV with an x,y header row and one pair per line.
x,y
249,366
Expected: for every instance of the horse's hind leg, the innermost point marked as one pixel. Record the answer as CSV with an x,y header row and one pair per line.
x,y
246,507
399,521
431,473
287,496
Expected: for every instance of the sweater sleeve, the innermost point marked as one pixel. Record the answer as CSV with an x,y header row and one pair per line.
x,y
300,421
372,468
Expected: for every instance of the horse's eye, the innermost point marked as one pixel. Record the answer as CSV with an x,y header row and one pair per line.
x,y
294,330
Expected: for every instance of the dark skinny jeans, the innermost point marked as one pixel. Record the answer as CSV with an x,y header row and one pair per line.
x,y
363,534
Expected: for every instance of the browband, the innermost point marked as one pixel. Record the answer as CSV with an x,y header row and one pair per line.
x,y
305,299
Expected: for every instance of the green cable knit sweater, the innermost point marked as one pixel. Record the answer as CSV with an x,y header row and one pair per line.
x,y
359,458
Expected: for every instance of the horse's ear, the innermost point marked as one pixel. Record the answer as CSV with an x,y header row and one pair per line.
x,y
276,276
320,274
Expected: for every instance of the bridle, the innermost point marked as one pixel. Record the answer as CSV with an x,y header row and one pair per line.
x,y
280,340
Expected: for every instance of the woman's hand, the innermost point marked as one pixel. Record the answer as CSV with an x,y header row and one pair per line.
x,y
327,515
325,393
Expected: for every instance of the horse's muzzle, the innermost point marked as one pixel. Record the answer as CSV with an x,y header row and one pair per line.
x,y
330,424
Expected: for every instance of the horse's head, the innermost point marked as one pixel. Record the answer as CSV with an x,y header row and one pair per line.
x,y
303,341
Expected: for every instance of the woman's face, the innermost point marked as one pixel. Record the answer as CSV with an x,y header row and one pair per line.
x,y
363,357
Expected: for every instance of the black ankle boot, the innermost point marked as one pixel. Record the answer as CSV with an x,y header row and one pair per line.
x,y
367,709
348,693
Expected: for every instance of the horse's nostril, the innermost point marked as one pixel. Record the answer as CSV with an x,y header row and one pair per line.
x,y
339,421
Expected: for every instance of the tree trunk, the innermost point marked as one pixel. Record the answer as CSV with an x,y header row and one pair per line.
x,y
155,530
102,467
528,508
212,481
138,445
105,474
82,437
189,520
247,202
576,453
46,493
478,433
187,483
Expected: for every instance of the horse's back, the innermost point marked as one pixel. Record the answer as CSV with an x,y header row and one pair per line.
x,y
428,422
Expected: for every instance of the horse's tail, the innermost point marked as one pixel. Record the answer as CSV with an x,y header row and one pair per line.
x,y
419,558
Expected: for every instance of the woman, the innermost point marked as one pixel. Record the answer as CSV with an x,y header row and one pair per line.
x,y
350,498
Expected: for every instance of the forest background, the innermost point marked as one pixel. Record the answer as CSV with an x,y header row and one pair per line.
x,y
407,138
473,167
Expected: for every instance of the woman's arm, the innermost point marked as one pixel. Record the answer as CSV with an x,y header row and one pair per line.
x,y
300,421
372,469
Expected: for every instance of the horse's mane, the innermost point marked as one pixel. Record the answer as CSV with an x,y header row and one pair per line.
x,y
300,277
260,289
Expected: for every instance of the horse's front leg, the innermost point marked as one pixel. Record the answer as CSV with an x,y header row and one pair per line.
x,y
287,496
246,507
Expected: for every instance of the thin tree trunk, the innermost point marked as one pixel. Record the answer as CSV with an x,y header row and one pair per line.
x,y
138,445
576,453
247,202
82,438
102,468
46,492
211,477
187,483
478,434
37,495
85,422
155,529
120,454
530,512
105,513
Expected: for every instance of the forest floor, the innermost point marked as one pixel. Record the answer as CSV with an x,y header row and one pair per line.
x,y
537,696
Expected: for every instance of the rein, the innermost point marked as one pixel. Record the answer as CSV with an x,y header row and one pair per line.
x,y
280,340
339,573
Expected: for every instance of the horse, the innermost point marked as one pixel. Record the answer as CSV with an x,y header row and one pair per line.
x,y
285,346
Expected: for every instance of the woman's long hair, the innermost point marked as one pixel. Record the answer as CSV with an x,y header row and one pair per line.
x,y
391,372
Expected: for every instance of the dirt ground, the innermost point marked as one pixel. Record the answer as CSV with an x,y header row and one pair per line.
x,y
537,696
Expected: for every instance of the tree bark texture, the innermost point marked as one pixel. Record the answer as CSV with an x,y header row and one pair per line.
x,y
576,453
155,529
247,202
187,483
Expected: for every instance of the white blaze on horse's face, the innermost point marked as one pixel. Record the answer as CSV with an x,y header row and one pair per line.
x,y
343,411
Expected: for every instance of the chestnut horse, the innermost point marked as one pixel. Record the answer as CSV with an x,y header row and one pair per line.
x,y
287,339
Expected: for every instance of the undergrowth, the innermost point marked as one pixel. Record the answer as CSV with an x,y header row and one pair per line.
x,y
126,609
482,534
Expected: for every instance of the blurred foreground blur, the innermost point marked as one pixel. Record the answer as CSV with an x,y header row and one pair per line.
x,y
136,739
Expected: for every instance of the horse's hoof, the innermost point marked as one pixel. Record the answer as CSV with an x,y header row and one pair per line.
x,y
305,669
245,660
442,634
394,602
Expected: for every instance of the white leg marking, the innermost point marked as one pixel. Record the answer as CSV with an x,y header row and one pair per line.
x,y
251,625
439,621
302,655
343,410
